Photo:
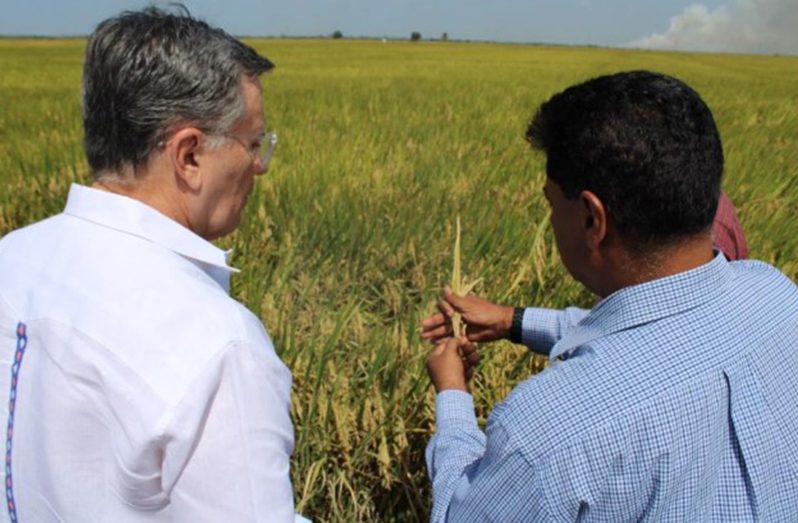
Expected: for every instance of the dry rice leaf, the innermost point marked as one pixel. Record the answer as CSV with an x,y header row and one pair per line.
x,y
457,321
459,285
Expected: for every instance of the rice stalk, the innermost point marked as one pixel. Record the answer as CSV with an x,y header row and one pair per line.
x,y
458,284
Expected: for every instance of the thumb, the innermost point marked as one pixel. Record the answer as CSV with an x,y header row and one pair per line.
x,y
458,302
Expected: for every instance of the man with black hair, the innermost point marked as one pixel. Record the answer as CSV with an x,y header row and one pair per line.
x,y
138,389
674,398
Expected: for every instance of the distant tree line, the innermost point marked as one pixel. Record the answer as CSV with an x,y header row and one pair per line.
x,y
415,36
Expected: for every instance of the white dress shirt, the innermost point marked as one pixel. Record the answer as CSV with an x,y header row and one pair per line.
x,y
138,390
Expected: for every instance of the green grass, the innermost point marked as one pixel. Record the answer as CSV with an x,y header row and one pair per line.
x,y
347,241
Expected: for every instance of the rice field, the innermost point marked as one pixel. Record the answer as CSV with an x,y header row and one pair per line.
x,y
347,241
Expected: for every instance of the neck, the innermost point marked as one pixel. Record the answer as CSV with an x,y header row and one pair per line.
x,y
633,269
146,190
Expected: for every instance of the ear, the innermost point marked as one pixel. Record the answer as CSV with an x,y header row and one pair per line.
x,y
184,151
595,219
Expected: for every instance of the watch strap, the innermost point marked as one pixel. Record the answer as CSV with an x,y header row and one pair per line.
x,y
516,327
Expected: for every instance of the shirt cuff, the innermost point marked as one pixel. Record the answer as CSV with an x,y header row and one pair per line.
x,y
540,329
454,408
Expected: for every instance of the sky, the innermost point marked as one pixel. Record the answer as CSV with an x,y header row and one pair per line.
x,y
745,26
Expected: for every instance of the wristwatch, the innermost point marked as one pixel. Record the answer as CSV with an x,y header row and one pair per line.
x,y
516,326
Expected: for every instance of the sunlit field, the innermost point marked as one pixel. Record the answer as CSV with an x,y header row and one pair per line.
x,y
347,241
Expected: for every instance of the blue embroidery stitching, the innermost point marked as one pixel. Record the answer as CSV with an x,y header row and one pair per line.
x,y
22,342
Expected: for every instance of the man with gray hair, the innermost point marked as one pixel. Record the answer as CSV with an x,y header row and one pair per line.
x,y
138,390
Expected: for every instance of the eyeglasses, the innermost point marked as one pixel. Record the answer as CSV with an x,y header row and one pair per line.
x,y
260,151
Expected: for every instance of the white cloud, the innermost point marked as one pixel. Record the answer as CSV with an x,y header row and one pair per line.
x,y
748,26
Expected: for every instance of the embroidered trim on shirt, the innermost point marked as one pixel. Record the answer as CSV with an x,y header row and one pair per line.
x,y
22,342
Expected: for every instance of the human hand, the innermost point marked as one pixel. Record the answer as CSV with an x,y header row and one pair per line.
x,y
485,321
451,364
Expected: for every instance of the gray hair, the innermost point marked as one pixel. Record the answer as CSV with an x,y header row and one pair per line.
x,y
148,72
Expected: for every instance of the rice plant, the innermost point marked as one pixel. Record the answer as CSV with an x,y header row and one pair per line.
x,y
346,242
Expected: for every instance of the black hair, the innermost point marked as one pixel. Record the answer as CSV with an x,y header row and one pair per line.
x,y
645,143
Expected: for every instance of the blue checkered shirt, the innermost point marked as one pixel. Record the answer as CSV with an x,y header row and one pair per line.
x,y
673,400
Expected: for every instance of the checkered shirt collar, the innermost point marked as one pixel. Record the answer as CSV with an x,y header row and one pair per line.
x,y
650,301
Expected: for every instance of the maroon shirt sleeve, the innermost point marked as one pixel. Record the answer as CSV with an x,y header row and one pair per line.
x,y
727,233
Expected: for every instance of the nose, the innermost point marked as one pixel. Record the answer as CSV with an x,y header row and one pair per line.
x,y
260,168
